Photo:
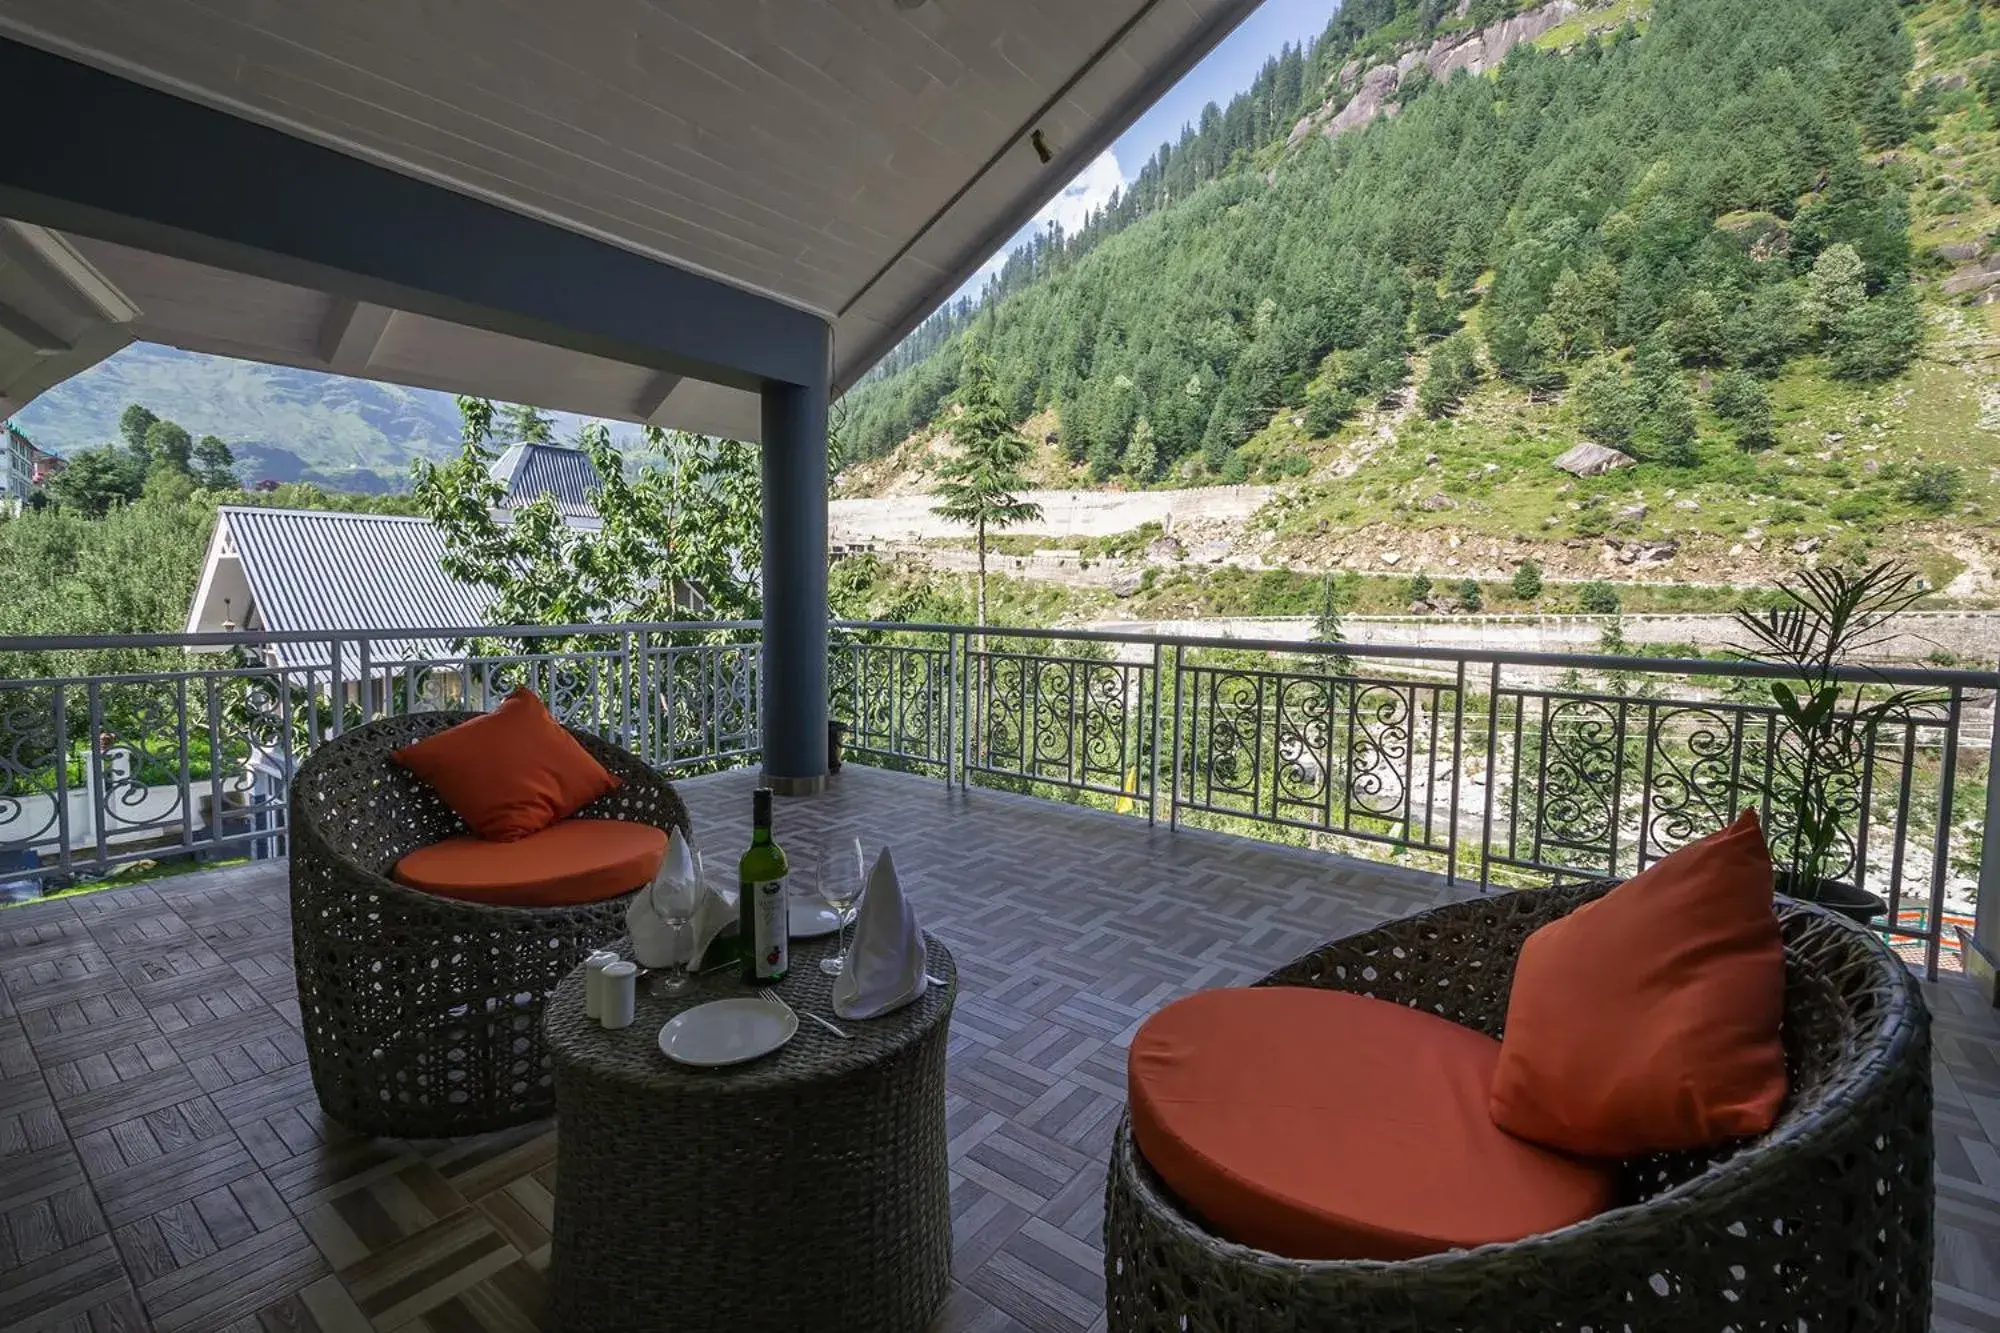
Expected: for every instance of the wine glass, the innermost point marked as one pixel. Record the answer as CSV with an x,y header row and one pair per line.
x,y
838,878
675,903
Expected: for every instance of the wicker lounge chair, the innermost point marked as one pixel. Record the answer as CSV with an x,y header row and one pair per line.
x,y
423,1014
1825,1222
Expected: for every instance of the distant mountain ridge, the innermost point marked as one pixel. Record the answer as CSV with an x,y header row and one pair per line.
x,y
284,424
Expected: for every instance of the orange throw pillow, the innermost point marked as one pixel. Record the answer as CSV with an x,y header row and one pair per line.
x,y
1648,1021
511,772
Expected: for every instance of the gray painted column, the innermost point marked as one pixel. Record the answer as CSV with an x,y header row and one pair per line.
x,y
795,614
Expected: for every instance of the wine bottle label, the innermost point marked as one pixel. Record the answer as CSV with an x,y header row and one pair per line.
x,y
769,957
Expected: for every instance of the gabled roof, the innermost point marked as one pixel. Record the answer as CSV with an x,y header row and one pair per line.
x,y
309,570
854,159
530,471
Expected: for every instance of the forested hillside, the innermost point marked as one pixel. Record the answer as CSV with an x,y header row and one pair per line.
x,y
1689,237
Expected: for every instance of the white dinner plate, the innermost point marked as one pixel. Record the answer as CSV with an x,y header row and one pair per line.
x,y
808,920
727,1032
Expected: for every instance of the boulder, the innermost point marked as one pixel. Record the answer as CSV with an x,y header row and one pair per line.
x,y
1958,252
1436,502
1655,553
1212,553
1762,236
1689,505
1591,460
1125,584
1973,277
1805,546
1166,548
1632,513
1392,558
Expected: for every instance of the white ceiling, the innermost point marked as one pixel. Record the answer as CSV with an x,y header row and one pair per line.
x,y
851,157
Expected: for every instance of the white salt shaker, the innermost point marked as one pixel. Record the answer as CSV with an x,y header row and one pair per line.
x,y
593,981
620,999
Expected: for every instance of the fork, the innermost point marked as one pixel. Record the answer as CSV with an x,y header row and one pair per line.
x,y
774,998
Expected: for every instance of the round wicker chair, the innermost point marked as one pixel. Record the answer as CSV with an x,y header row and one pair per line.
x,y
423,1014
1823,1223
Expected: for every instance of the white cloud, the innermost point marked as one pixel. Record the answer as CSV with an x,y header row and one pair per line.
x,y
1092,188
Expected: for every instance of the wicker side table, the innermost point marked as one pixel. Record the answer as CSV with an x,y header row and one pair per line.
x,y
807,1189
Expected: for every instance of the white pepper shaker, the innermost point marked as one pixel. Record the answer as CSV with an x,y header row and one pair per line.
x,y
621,994
593,981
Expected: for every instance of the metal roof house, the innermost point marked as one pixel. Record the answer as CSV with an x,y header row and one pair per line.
x,y
294,569
298,569
530,471
708,216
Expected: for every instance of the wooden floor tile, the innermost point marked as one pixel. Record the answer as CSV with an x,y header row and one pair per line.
x,y
164,1163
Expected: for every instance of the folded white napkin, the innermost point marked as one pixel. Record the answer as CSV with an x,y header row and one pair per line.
x,y
653,943
885,964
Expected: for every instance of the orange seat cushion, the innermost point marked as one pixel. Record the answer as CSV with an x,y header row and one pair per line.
x,y
576,861
1649,1020
1321,1125
511,772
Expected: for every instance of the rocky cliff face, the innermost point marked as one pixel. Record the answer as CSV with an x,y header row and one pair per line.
x,y
1366,93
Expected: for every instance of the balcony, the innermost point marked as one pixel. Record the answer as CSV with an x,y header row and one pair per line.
x,y
163,1154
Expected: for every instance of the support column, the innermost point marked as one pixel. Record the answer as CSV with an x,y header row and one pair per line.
x,y
1981,949
795,614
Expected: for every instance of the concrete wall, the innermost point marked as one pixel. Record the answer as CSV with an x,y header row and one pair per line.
x,y
1064,513
1971,636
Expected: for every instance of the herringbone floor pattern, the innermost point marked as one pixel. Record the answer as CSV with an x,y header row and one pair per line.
x,y
163,1163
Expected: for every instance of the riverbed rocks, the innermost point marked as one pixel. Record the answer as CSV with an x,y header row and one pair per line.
x,y
1640,553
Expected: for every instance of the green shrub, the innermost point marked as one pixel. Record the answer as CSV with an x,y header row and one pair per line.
x,y
1856,508
1597,598
1469,595
1936,487
1420,586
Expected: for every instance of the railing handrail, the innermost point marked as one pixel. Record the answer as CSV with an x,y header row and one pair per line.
x,y
1668,666
1947,677
46,643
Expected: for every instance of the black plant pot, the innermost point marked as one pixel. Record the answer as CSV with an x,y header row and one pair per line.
x,y
1834,895
836,745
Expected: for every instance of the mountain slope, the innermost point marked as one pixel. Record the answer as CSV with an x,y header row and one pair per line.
x,y
1738,240
283,424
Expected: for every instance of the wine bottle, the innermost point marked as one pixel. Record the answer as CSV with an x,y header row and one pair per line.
x,y
762,917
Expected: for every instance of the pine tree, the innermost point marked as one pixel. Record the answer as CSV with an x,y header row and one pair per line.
x,y
980,484
529,425
1672,427
1141,453
169,446
1835,289
133,424
1528,580
1878,338
216,464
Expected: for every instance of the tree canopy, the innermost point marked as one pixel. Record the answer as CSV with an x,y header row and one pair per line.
x,y
1707,186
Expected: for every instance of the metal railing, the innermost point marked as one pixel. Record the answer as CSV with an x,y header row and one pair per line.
x,y
1497,768
128,748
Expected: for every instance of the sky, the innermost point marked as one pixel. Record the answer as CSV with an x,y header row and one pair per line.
x,y
1226,72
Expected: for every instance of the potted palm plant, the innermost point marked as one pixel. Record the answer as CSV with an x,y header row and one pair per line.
x,y
1834,617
